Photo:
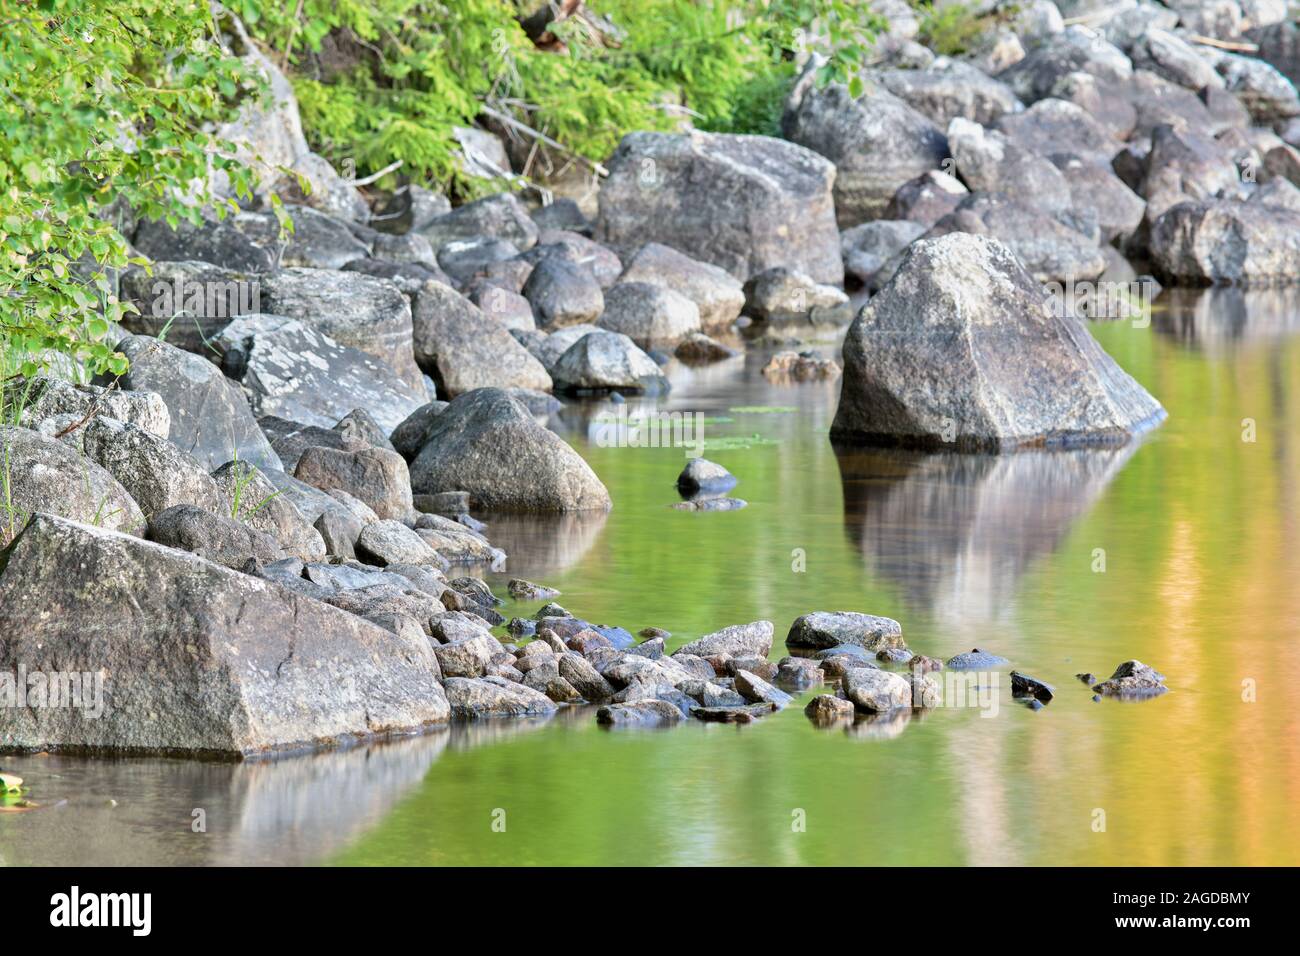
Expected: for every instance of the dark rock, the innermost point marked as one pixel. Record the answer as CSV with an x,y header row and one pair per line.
x,y
564,214
487,444
407,276
700,474
193,301
742,714
563,293
216,538
866,248
500,216
1132,679
827,709
698,349
641,713
1022,685
925,200
154,472
412,432
522,590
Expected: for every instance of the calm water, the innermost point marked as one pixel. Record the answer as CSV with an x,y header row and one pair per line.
x,y
1202,580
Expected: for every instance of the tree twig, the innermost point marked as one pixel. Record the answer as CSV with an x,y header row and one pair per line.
x,y
543,138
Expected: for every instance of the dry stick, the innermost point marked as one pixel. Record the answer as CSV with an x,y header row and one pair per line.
x,y
375,177
524,128
95,403
1240,46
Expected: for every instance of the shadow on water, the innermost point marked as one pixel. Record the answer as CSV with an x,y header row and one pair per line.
x,y
956,532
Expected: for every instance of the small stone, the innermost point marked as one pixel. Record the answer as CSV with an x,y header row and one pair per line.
x,y
975,660
1022,685
1133,679
641,713
876,691
758,691
827,708
522,590
700,474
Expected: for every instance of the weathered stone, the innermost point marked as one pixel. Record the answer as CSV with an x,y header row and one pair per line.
x,y
745,714
607,360
780,294
950,88
376,476
219,243
976,660
603,263
156,473
650,315
1097,191
44,398
217,538
1221,240
799,672
969,297
700,474
563,293
247,495
808,366
1169,56
1076,49
291,370
989,162
877,143
830,629
353,309
488,444
827,708
876,691
469,657
716,293
1133,679
758,691
412,432
1262,88
208,416
237,665
925,200
477,698
505,306
463,349
391,542
407,276
500,216
193,301
1058,126
584,677
46,475
522,590
738,640
866,248
743,203
641,713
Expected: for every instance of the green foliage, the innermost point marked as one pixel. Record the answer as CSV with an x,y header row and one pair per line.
x,y
956,29
102,111
415,70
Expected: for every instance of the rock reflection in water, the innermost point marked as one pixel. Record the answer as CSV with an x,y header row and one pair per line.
x,y
544,544
957,532
1218,320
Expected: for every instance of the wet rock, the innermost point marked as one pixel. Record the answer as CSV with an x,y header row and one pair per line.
x,y
700,474
156,473
920,662
877,143
44,474
711,504
477,698
1087,678
563,293
717,295
876,691
799,672
584,677
522,590
391,542
1132,679
293,371
743,203
641,713
500,216
829,629
827,709
801,367
488,444
698,349
216,538
551,609
780,294
650,315
1222,241
866,248
1022,685
744,714
208,416
376,476
976,660
738,640
758,691
607,360
239,665
1003,313
355,310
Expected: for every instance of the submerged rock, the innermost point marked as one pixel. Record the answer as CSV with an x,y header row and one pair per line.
x,y
830,629
976,660
711,504
1133,679
522,590
800,367
641,713
700,474
827,708
237,665
961,349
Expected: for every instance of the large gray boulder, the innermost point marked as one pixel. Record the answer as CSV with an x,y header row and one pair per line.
x,y
717,294
877,143
41,473
292,370
500,216
156,473
216,537
650,315
235,665
376,476
353,309
1220,240
950,88
488,444
823,629
208,415
988,162
743,203
961,350
462,348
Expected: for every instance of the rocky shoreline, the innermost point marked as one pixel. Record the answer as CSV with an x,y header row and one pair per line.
x,y
265,535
